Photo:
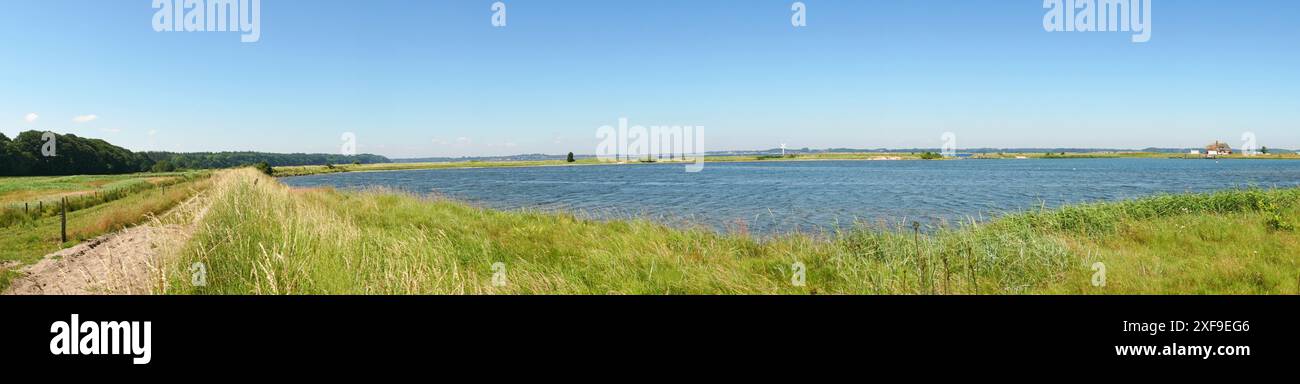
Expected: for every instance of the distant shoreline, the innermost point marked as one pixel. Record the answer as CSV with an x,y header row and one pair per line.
x,y
308,170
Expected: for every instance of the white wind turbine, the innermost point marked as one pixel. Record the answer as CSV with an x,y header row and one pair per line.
x,y
782,149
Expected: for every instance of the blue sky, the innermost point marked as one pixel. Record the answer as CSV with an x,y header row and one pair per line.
x,y
435,78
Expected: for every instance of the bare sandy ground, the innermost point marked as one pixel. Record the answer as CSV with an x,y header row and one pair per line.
x,y
126,262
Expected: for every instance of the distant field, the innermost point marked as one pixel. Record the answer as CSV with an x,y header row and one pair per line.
x,y
102,204
17,190
30,198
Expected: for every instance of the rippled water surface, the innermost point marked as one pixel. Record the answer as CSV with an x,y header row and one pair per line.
x,y
771,197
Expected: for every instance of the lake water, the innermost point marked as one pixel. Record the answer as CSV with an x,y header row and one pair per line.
x,y
811,196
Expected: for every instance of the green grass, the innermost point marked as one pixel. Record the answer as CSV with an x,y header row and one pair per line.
x,y
261,237
1236,253
26,242
17,190
25,199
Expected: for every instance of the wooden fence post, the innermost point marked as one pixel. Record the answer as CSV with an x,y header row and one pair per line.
x,y
64,226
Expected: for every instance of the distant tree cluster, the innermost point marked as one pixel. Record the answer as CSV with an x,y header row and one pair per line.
x,y
73,155
167,161
266,168
22,156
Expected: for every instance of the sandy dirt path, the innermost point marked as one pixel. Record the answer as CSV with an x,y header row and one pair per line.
x,y
127,262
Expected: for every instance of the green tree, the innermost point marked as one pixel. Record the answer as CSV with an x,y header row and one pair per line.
x,y
163,166
6,167
570,159
22,156
264,167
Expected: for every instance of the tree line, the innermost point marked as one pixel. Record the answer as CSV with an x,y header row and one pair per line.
x,y
170,161
73,155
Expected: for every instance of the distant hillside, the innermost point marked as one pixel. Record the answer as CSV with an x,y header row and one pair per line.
x,y
21,156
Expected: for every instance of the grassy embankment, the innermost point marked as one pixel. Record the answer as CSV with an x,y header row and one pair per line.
x,y
261,237
97,205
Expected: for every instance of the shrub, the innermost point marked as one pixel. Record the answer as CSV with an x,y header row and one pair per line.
x,y
1277,223
264,167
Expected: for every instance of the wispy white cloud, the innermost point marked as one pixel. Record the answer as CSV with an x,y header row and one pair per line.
x,y
31,117
85,119
153,132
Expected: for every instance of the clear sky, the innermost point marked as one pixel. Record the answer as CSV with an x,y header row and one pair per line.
x,y
435,78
